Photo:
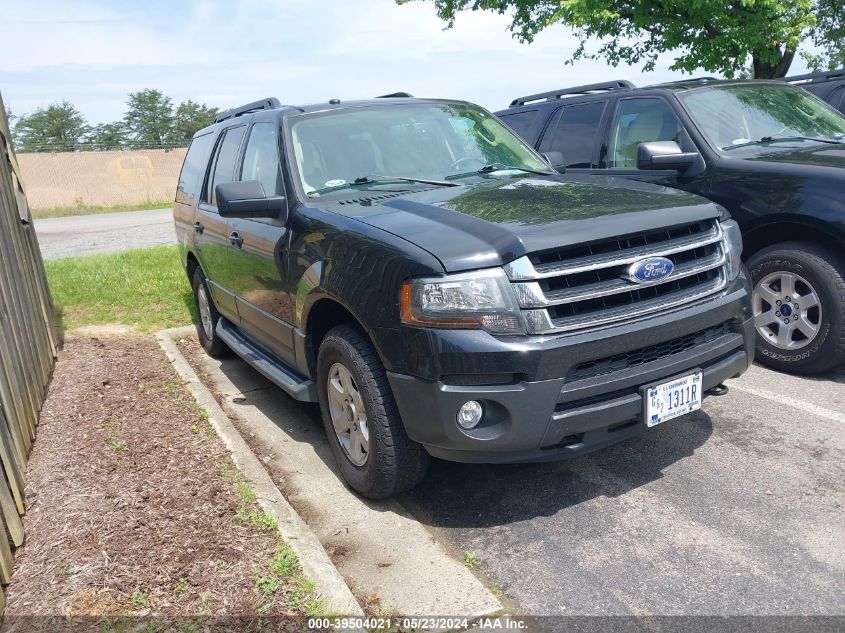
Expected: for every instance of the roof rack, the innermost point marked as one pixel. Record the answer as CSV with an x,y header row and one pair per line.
x,y
577,90
693,80
396,95
823,75
270,103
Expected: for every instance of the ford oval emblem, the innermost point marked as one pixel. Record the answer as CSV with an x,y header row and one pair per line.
x,y
650,270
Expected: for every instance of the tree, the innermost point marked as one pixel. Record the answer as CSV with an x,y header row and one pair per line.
x,y
10,116
190,117
108,136
57,128
828,35
149,118
713,35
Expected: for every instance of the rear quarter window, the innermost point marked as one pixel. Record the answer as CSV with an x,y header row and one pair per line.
x,y
193,169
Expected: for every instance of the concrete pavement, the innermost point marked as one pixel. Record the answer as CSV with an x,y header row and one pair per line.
x,y
735,509
378,547
104,233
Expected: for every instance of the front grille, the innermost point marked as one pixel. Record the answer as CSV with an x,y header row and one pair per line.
x,y
643,355
587,286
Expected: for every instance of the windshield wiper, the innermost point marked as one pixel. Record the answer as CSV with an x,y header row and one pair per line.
x,y
500,167
777,139
371,180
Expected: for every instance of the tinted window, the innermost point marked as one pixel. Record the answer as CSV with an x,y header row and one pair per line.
x,y
573,132
261,158
837,99
224,164
641,121
193,168
521,123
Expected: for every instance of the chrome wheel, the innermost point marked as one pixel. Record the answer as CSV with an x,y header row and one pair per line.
x,y
205,312
349,417
787,310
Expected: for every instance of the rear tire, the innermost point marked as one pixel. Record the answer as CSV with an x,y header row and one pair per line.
x,y
207,317
799,307
375,455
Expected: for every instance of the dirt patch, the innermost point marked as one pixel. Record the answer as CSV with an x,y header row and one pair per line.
x,y
133,506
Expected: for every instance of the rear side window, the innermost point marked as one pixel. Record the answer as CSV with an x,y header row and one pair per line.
x,y
193,168
261,158
573,132
522,123
224,163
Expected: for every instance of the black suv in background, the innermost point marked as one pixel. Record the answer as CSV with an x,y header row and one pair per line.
x,y
827,85
771,153
427,278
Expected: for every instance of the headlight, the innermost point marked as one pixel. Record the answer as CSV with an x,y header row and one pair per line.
x,y
732,243
478,300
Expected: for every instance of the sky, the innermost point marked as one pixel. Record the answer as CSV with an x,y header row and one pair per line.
x,y
95,52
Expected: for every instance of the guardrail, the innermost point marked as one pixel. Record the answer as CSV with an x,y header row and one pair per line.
x,y
28,343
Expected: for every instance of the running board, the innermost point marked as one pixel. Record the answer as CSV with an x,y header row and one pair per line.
x,y
274,370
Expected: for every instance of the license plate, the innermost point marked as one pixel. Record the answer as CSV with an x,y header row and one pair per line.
x,y
671,399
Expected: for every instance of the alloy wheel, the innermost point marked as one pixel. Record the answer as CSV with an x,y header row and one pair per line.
x,y
205,312
349,417
787,310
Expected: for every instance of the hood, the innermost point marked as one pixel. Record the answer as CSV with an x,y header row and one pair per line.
x,y
816,158
496,220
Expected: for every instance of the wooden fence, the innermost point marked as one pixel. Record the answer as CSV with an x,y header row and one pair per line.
x,y
27,346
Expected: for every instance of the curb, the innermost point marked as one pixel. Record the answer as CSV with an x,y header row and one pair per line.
x,y
312,557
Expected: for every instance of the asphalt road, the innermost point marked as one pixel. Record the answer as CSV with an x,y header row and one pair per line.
x,y
735,509
104,233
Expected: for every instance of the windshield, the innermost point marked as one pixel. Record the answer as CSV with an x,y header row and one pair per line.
x,y
416,141
734,115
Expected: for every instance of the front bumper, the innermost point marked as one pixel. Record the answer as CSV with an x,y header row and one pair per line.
x,y
554,397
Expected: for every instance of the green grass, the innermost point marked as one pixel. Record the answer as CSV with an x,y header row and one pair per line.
x,y
146,288
61,212
118,445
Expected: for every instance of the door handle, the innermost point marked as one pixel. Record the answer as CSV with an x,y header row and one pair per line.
x,y
198,227
235,239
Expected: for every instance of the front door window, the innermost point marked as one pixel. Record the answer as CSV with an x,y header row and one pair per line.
x,y
642,121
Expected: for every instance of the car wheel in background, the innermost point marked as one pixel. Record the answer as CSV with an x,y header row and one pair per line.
x,y
798,299
207,317
375,455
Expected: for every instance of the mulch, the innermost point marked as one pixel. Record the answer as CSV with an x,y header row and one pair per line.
x,y
131,501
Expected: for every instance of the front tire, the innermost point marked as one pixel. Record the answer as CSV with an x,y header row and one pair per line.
x,y
375,455
207,317
799,307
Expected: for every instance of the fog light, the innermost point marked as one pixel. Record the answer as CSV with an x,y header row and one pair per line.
x,y
470,414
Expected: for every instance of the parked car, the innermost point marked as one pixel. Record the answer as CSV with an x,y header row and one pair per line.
x,y
827,85
771,153
427,278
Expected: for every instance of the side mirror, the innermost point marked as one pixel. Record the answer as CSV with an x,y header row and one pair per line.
x,y
555,160
663,155
246,199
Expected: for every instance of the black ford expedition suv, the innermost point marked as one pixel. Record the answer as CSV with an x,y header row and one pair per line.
x,y
427,278
771,153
